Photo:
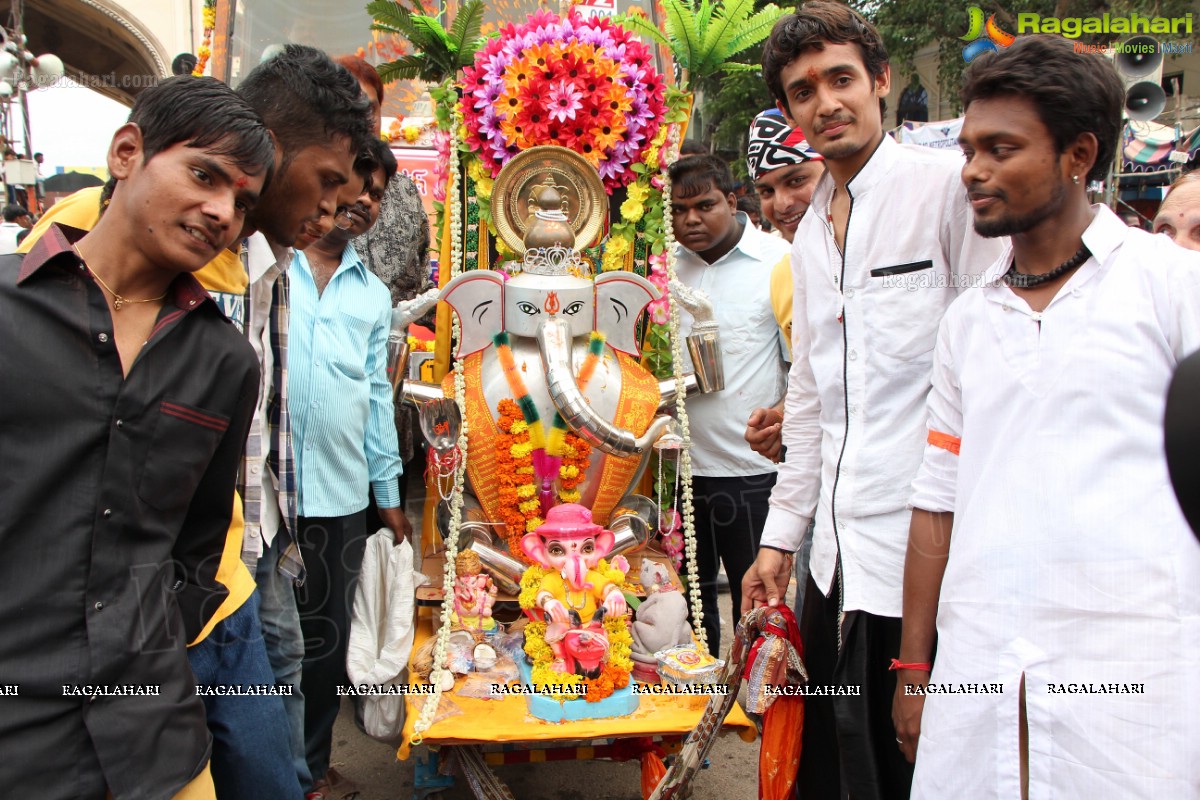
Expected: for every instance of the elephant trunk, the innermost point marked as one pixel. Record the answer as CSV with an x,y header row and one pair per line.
x,y
554,342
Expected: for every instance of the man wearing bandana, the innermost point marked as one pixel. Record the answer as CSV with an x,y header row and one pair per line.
x,y
784,171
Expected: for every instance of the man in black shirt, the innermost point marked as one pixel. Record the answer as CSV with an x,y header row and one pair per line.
x,y
125,398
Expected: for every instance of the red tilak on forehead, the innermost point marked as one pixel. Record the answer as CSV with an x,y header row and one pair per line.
x,y
812,74
241,182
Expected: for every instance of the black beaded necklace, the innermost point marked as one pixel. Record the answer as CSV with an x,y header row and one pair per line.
x,y
1020,280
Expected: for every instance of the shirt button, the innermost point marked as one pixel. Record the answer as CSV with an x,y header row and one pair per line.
x,y
315,404
254,534
120,424
99,606
850,292
1076,292
107,513
852,355
191,302
1006,307
103,337
254,470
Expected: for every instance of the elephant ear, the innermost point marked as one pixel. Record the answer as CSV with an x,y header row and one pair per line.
x,y
478,299
620,298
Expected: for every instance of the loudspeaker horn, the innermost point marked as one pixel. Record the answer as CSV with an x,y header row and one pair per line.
x,y
1144,101
1139,57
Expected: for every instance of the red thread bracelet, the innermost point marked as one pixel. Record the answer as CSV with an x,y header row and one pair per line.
x,y
923,667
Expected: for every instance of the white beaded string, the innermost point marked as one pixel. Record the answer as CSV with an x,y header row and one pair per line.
x,y
684,474
429,709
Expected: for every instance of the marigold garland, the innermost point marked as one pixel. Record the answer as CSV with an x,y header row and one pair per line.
x,y
209,15
519,507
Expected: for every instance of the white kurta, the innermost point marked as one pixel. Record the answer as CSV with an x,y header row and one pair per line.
x,y
1070,562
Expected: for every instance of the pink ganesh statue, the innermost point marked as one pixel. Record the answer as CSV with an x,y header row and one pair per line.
x,y
574,596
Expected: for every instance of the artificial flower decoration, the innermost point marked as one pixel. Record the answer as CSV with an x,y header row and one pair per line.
x,y
586,84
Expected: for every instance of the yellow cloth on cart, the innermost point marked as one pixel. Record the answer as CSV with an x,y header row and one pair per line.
x,y
508,720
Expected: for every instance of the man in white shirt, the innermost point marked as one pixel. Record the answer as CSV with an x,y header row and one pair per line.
x,y
16,219
1070,589
731,261
874,268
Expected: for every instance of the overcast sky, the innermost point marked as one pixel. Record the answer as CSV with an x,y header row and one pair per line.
x,y
72,125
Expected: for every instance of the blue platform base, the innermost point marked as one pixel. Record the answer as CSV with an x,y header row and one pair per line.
x,y
620,703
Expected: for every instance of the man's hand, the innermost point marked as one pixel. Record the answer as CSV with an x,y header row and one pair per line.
x,y
907,709
764,432
766,582
395,519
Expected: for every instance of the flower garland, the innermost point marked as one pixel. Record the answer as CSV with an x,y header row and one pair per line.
x,y
585,83
209,15
429,709
519,506
619,663
685,456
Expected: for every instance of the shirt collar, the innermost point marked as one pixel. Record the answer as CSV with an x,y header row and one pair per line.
x,y
262,255
58,242
350,260
869,175
748,244
1103,235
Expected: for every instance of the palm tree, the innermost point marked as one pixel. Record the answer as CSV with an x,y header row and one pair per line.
x,y
440,54
703,39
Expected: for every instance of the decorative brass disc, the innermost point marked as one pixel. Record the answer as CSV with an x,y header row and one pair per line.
x,y
584,200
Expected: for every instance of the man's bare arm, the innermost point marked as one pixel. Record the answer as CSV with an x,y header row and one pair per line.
x,y
924,567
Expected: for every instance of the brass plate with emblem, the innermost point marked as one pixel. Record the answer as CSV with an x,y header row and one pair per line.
x,y
584,200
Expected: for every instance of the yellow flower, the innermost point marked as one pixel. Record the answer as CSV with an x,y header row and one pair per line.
x,y
617,245
519,427
463,133
529,506
521,450
569,497
533,524
610,261
483,188
638,191
526,491
210,17
411,133
477,170
569,471
632,210
204,53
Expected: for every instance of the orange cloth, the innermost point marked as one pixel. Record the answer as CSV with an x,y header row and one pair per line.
x,y
945,441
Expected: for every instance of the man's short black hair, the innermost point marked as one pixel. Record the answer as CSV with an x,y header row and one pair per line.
x,y
206,114
814,25
383,156
1073,93
691,147
698,174
306,99
14,211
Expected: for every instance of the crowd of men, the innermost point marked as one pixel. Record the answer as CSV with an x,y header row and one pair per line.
x,y
195,416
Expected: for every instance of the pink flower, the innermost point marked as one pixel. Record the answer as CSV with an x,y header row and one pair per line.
x,y
659,313
656,182
565,100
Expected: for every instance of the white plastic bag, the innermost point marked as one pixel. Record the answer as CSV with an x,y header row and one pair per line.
x,y
381,632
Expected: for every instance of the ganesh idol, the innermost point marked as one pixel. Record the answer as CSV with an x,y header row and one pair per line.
x,y
557,407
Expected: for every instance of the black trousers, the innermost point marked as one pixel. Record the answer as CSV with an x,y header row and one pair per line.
x,y
849,747
333,552
729,514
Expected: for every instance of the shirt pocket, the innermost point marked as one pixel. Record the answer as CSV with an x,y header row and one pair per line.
x,y
350,353
903,304
181,448
741,324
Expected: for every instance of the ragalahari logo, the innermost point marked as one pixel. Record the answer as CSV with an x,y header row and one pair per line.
x,y
983,37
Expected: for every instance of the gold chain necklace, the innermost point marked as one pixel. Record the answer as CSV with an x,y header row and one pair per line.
x,y
118,300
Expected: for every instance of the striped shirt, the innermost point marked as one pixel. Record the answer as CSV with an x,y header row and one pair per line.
x,y
269,490
343,427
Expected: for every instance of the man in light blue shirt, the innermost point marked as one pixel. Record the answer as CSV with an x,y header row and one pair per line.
x,y
344,440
